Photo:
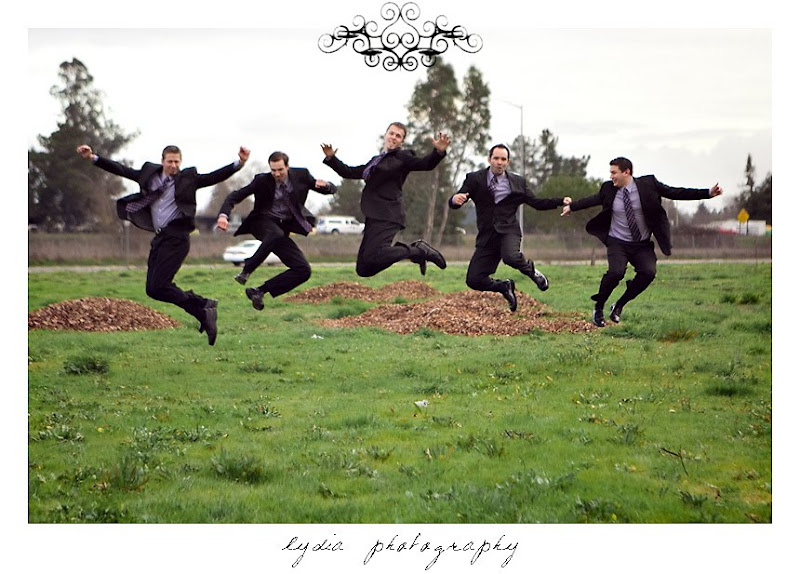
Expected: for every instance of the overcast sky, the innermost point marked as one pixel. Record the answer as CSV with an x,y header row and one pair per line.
x,y
686,104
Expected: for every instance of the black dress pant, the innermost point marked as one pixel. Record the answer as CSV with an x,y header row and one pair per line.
x,y
483,264
168,250
377,252
640,254
275,239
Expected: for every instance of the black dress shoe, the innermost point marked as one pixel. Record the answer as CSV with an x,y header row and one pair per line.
x,y
510,295
616,311
241,278
429,254
256,296
541,281
598,319
209,321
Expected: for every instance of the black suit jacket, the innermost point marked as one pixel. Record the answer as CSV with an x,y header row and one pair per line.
x,y
382,197
187,182
262,188
650,191
500,217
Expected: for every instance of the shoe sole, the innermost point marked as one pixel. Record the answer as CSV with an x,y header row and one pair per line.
x,y
256,306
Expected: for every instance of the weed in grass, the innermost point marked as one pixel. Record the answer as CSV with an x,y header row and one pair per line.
x,y
292,317
259,367
598,510
380,453
266,410
630,433
347,308
409,471
85,365
60,433
127,475
676,335
238,468
750,298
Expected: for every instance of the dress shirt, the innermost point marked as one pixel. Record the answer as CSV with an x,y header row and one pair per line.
x,y
619,223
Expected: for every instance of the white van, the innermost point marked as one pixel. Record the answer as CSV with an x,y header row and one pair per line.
x,y
334,224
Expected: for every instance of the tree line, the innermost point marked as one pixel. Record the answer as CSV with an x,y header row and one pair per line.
x,y
66,194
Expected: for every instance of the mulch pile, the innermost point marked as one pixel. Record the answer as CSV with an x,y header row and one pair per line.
x,y
470,313
99,314
409,290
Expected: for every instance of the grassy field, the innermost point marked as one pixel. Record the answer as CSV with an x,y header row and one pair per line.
x,y
665,418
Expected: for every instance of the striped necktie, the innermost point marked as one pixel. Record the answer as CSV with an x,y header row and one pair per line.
x,y
636,235
371,165
145,200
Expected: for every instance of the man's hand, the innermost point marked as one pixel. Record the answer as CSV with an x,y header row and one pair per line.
x,y
565,210
459,198
567,200
222,222
441,141
244,154
328,150
715,190
85,151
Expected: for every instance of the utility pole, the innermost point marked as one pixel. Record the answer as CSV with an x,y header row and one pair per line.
x,y
522,155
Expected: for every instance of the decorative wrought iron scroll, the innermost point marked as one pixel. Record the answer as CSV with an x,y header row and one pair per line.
x,y
400,45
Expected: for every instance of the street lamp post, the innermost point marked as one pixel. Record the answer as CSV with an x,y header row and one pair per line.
x,y
522,155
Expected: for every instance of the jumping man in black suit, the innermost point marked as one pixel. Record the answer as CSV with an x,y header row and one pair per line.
x,y
279,210
631,213
382,201
497,193
166,204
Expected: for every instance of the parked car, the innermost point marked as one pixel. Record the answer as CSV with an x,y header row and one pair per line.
x,y
334,224
236,254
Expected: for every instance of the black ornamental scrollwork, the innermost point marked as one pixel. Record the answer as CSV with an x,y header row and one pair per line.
x,y
400,44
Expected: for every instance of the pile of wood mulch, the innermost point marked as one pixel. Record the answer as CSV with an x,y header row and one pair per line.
x,y
408,290
100,314
470,313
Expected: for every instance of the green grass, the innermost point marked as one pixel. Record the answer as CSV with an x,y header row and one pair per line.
x,y
665,418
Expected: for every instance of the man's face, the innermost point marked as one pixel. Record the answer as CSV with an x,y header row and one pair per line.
x,y
394,138
619,178
279,170
498,161
171,163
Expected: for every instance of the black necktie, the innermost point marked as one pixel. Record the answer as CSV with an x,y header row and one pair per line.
x,y
293,208
636,235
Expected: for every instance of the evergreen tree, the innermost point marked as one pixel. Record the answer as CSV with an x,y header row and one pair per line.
x,y
759,203
347,199
64,191
438,104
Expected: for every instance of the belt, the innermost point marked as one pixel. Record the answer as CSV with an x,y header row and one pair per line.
x,y
181,224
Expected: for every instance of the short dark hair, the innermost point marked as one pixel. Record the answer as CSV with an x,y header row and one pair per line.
x,y
278,156
399,125
502,146
171,149
623,163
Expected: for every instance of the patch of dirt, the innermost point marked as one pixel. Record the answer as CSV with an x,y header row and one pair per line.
x,y
99,314
470,313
